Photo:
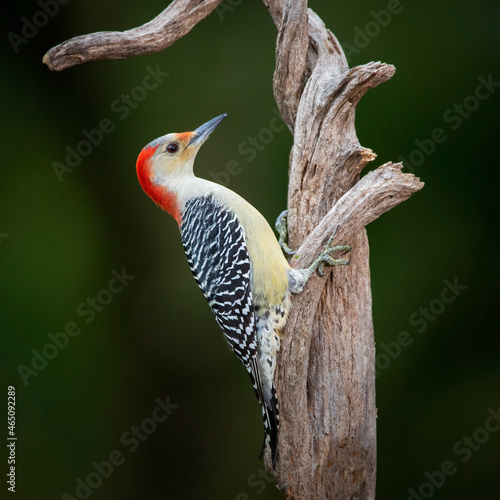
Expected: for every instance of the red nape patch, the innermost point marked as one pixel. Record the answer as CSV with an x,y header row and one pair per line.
x,y
159,194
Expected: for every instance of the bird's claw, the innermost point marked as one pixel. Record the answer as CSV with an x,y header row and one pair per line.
x,y
281,228
280,218
325,258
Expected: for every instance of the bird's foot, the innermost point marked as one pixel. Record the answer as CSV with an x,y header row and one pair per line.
x,y
281,227
325,257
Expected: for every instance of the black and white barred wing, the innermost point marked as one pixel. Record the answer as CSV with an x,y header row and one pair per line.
x,y
215,246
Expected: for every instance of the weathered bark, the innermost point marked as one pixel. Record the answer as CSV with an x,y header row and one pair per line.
x,y
166,28
326,368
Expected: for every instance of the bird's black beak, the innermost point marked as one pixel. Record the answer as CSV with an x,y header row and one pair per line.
x,y
200,135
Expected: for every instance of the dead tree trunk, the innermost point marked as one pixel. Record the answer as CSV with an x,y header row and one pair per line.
x,y
326,369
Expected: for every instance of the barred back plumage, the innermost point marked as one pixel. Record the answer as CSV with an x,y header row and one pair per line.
x,y
216,250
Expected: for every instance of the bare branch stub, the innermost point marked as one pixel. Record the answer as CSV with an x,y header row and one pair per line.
x,y
158,34
376,193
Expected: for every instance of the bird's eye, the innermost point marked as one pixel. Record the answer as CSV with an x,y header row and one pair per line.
x,y
173,147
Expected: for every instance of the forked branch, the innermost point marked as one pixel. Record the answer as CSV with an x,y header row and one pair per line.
x,y
376,193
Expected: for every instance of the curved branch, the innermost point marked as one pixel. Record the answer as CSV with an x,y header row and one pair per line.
x,y
158,34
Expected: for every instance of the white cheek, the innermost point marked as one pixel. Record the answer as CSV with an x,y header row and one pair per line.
x,y
171,171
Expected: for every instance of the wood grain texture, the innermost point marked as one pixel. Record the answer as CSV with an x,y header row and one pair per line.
x,y
158,34
291,55
326,367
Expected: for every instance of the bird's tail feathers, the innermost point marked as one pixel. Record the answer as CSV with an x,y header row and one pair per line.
x,y
266,394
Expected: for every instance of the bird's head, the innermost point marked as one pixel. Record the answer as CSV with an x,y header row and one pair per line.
x,y
166,160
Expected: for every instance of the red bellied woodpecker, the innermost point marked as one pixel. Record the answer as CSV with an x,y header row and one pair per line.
x,y
234,256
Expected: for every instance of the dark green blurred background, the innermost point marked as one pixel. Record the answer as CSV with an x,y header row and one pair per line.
x,y
157,338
